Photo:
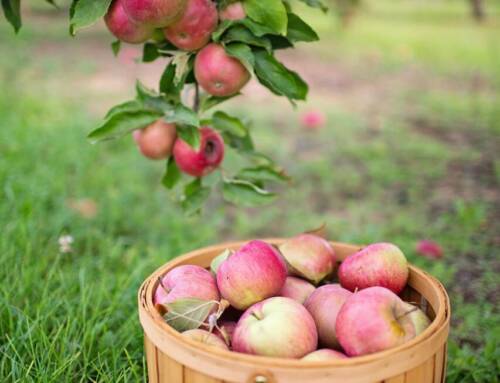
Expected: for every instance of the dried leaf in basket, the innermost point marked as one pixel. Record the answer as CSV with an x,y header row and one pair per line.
x,y
188,314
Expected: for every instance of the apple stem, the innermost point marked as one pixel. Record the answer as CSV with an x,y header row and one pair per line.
x,y
406,313
162,285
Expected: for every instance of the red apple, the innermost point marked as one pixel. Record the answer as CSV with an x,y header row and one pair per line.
x,y
123,28
253,273
218,73
225,331
194,29
309,256
276,327
375,319
429,249
233,11
206,337
380,264
296,289
187,281
206,159
154,13
324,354
156,141
313,120
324,305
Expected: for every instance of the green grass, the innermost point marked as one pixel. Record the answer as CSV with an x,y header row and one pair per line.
x,y
426,166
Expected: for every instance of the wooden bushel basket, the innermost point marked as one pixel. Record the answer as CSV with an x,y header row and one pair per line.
x,y
172,358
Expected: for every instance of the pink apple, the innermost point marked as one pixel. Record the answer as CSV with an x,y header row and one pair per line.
x,y
154,13
375,319
233,11
194,29
296,289
380,264
206,159
187,281
309,256
218,73
253,273
313,119
206,337
276,327
324,355
123,28
429,249
324,305
225,331
156,141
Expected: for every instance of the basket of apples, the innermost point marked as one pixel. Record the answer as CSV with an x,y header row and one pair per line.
x,y
284,310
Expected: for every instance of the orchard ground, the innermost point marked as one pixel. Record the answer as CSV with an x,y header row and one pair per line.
x,y
411,91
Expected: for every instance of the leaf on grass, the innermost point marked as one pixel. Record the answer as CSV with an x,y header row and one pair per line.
x,y
188,314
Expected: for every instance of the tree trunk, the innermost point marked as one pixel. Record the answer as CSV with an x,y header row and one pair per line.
x,y
477,9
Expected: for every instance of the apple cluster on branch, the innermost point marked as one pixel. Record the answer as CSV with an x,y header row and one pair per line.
x,y
214,47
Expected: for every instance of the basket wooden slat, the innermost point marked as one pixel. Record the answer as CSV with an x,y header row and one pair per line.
x,y
173,358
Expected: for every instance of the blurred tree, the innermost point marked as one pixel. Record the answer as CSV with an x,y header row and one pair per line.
x,y
346,9
477,9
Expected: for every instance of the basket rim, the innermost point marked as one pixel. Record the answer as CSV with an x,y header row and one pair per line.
x,y
146,307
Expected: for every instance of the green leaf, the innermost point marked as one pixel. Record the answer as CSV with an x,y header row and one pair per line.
x,y
115,47
298,30
188,313
150,52
172,174
217,261
279,79
190,135
246,193
240,33
211,101
243,53
87,12
183,65
181,114
167,85
270,12
263,173
12,12
194,197
316,4
226,123
127,106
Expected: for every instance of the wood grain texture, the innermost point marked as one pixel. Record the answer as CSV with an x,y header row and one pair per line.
x,y
396,379
439,365
169,371
151,360
414,359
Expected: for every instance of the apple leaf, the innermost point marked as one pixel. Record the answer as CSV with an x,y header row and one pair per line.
x,y
299,30
188,314
263,173
246,193
195,195
226,123
150,52
240,33
316,4
243,53
217,261
172,174
128,106
12,12
211,101
277,78
189,134
270,12
87,12
116,46
181,114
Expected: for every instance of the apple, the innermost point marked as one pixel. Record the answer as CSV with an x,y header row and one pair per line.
x,y
206,159
187,281
154,13
429,249
225,331
156,141
253,273
218,73
124,29
379,264
296,289
234,11
276,327
206,337
376,319
309,256
324,305
194,29
313,119
418,318
324,354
